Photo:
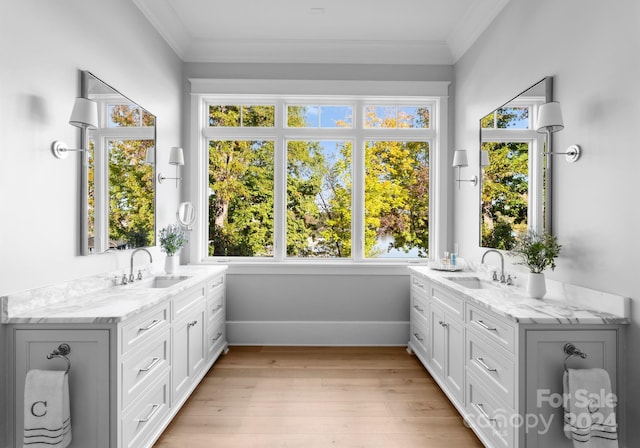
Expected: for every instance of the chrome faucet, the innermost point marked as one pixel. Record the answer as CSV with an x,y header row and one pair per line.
x,y
131,277
495,277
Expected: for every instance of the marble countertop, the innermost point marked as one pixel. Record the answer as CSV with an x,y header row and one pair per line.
x,y
94,300
563,303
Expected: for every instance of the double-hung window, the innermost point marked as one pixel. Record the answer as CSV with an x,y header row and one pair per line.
x,y
317,177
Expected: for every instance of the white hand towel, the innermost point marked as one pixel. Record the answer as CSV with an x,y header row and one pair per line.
x,y
47,416
589,409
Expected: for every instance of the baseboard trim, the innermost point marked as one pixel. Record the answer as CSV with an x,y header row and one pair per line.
x,y
319,333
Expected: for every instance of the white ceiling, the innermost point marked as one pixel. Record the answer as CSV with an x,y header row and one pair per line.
x,y
321,31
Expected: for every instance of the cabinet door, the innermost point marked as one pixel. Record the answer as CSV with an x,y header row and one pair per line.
x,y
438,342
544,371
89,379
455,358
188,352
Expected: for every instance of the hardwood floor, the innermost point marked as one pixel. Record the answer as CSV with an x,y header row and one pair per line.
x,y
311,397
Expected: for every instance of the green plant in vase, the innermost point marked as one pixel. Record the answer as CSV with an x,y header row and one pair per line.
x,y
172,239
537,251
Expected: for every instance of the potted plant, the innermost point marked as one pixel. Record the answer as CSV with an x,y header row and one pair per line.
x,y
172,239
537,251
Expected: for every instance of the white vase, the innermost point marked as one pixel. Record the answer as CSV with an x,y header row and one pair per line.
x,y
171,263
536,285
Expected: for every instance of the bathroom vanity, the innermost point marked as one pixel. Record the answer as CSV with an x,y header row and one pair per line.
x,y
500,356
137,351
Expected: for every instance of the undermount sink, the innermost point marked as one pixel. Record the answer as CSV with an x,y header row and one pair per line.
x,y
161,281
471,282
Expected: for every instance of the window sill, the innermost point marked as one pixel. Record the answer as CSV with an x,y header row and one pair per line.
x,y
313,267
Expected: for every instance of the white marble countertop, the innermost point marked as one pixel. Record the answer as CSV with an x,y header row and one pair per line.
x,y
563,303
95,299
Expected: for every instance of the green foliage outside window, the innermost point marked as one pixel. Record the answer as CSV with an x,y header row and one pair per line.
x,y
318,192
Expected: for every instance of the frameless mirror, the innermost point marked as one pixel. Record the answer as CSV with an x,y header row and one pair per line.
x,y
118,197
186,215
515,188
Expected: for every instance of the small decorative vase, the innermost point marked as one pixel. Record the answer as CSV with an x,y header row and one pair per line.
x,y
171,263
536,286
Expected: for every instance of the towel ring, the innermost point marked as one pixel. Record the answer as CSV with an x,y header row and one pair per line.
x,y
571,350
61,352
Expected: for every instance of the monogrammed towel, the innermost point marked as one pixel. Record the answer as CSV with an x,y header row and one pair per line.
x,y
47,416
589,409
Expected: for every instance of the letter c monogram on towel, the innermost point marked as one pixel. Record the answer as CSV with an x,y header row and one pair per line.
x,y
43,408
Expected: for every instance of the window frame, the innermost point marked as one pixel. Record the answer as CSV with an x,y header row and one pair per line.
x,y
435,135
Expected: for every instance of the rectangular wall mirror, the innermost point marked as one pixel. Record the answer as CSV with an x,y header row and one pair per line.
x,y
118,197
515,188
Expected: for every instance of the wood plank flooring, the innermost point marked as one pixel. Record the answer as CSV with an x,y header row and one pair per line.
x,y
312,397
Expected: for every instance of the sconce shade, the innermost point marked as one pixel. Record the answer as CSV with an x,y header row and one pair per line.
x,y
150,157
484,158
460,158
176,156
84,114
550,117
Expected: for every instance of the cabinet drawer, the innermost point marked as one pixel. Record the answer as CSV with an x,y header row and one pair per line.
x,y
488,416
144,327
215,306
139,423
184,302
454,306
419,286
419,338
215,285
216,336
143,366
419,308
493,365
492,327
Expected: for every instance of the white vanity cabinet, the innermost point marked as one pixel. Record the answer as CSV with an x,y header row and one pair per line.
x,y
89,378
129,376
503,371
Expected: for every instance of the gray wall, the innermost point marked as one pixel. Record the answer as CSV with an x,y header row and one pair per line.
x,y
44,45
318,309
592,50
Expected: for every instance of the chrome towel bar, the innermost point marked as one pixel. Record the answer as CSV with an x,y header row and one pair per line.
x,y
61,352
571,350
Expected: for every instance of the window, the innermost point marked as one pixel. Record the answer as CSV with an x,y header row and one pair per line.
x,y
339,178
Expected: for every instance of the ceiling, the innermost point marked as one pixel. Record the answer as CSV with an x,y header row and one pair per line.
x,y
321,31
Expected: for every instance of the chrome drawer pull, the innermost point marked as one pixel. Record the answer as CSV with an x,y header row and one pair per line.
x,y
443,324
418,308
192,323
150,326
150,366
417,283
485,326
484,364
216,308
154,409
217,337
417,335
483,412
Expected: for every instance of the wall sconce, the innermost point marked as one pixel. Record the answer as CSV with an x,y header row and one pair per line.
x,y
460,160
84,116
150,157
484,158
550,121
176,157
